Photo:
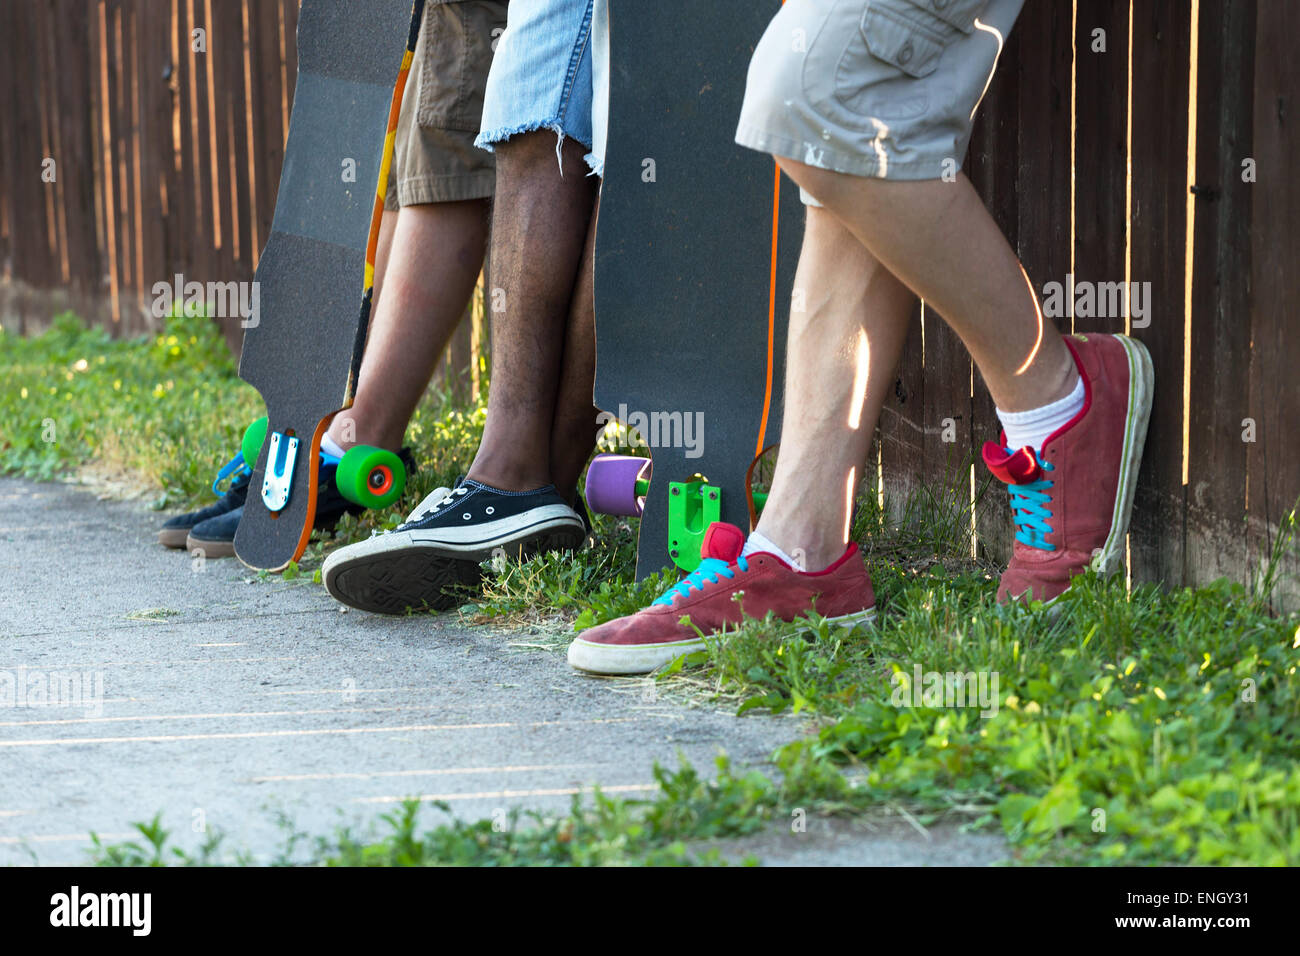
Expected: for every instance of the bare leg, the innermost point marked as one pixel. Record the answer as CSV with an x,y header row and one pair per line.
x,y
573,431
938,238
540,226
426,268
387,227
840,359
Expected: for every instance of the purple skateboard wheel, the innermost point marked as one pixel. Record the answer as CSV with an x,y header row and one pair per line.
x,y
611,484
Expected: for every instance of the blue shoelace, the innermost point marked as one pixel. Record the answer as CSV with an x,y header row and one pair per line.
x,y
1029,509
710,569
236,468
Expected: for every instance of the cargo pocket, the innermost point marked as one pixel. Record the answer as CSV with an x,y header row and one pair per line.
x,y
906,37
454,68
868,55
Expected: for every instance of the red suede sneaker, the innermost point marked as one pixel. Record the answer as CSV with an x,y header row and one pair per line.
x,y
715,595
1071,499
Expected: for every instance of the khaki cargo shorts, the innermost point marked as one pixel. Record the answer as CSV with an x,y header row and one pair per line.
x,y
881,88
434,157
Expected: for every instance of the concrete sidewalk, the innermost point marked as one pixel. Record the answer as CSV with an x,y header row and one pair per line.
x,y
196,690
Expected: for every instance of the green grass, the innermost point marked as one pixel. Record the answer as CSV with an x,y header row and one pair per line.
x,y
162,415
597,830
569,592
1156,727
159,414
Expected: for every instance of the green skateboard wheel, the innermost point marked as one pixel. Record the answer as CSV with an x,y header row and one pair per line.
x,y
372,477
254,436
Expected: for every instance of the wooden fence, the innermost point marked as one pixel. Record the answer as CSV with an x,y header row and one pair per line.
x,y
166,121
1154,151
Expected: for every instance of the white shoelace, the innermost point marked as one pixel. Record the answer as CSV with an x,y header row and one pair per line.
x,y
432,502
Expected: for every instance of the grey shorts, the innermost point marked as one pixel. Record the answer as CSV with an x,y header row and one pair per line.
x,y
434,158
881,88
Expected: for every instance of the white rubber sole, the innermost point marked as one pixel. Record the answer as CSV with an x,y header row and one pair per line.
x,y
471,543
1110,557
418,570
628,659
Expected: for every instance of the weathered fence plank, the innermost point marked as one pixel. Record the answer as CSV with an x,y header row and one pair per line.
x,y
993,167
1158,227
1100,151
1219,348
1274,457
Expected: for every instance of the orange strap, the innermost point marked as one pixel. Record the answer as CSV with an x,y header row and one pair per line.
x,y
771,320
771,314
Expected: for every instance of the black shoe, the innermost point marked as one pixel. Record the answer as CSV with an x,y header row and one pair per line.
x,y
175,532
215,537
437,552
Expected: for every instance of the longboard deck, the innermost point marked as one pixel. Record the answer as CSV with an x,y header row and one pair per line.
x,y
694,267
303,352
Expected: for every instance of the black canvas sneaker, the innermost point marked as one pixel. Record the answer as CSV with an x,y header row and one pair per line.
x,y
176,531
433,558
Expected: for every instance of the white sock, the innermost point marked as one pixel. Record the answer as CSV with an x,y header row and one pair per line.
x,y
1034,427
761,542
330,447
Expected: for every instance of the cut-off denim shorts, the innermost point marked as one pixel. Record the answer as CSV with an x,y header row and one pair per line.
x,y
542,75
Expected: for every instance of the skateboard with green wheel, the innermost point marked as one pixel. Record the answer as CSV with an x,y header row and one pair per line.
x,y
364,475
695,256
315,276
